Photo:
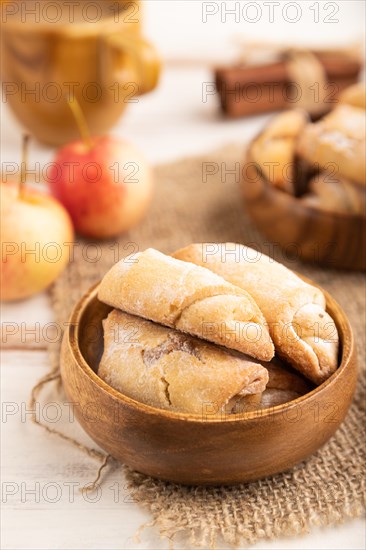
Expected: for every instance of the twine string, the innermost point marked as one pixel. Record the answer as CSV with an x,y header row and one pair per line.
x,y
93,484
54,375
306,71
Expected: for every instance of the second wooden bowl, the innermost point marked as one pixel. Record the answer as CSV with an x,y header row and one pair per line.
x,y
326,238
199,449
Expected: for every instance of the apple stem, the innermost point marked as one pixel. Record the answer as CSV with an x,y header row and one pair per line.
x,y
23,166
80,121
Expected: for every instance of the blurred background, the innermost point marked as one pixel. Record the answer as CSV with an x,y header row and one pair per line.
x,y
208,29
192,37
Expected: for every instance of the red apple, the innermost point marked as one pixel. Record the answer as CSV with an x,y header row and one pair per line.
x,y
36,235
104,183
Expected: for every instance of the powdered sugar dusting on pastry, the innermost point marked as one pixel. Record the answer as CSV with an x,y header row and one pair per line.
x,y
285,300
170,291
339,141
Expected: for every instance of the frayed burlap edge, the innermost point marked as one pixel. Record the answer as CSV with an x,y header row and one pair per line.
x,y
203,534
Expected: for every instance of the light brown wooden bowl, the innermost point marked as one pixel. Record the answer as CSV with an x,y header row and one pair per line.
x,y
326,238
190,449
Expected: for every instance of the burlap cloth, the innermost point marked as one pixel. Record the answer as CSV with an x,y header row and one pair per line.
x,y
328,487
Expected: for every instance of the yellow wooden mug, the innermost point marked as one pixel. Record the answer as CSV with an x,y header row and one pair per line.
x,y
93,51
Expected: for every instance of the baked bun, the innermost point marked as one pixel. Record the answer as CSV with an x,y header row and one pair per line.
x,y
335,194
304,334
170,370
354,95
337,143
189,298
284,385
274,149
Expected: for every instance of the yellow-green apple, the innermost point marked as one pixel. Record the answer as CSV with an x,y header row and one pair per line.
x,y
36,236
104,183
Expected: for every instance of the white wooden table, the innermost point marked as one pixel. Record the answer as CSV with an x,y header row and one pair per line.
x,y
42,506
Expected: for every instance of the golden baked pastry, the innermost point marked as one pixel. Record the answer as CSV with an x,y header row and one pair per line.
x,y
335,194
274,149
189,298
303,333
354,95
164,368
283,385
337,142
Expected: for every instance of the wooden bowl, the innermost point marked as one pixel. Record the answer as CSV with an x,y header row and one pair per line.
x,y
326,238
192,449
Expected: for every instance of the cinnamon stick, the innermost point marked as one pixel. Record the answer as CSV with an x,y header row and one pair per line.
x,y
249,90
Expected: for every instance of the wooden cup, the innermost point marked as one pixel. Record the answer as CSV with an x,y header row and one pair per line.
x,y
199,449
331,239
